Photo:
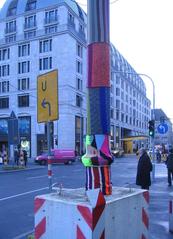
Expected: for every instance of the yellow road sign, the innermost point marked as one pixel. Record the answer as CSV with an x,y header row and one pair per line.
x,y
47,97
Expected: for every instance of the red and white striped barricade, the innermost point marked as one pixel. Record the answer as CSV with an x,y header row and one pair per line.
x,y
76,214
171,213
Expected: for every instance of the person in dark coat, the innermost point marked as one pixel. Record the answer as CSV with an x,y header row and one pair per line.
x,y
143,170
169,163
16,156
25,157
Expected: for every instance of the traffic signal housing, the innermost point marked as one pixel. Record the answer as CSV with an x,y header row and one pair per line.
x,y
151,127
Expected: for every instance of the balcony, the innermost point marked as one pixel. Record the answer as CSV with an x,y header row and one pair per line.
x,y
30,26
9,31
50,21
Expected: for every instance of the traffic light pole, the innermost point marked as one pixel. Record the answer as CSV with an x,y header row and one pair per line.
x,y
152,117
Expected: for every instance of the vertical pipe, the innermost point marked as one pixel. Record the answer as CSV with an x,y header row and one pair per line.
x,y
98,157
49,163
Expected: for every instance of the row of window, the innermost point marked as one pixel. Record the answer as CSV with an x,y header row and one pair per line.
x,y
31,5
23,101
23,84
44,46
51,17
30,21
24,67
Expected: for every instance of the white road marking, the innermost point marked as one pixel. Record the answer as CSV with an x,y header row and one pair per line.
x,y
22,194
23,235
42,176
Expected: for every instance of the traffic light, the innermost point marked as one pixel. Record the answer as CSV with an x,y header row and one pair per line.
x,y
151,127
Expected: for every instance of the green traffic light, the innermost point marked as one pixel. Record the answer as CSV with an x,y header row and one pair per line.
x,y
151,133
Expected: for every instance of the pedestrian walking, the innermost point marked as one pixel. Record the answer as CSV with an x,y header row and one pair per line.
x,y
143,170
158,156
21,157
4,156
169,163
25,156
16,156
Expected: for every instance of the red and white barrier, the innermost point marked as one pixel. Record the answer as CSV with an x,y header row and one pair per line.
x,y
40,217
91,223
171,213
75,215
145,217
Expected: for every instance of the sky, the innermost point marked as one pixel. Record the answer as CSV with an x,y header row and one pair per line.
x,y
141,32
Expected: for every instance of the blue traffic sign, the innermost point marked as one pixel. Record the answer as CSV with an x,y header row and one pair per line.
x,y
162,128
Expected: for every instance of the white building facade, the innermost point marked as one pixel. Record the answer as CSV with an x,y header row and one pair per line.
x,y
38,36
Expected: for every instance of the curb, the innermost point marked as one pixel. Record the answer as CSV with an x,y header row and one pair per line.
x,y
21,170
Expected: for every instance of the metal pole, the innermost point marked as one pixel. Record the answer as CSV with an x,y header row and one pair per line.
x,y
49,163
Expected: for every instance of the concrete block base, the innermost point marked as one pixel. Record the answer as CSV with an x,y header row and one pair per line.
x,y
73,214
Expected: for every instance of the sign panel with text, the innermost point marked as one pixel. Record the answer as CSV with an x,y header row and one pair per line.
x,y
47,97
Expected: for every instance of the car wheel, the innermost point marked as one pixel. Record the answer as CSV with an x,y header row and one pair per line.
x,y
43,162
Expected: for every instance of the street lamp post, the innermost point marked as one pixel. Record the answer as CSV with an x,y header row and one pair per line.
x,y
152,116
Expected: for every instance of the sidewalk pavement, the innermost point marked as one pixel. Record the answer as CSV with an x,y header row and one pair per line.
x,y
159,205
30,165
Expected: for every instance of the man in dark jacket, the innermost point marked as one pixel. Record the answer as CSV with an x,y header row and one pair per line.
x,y
169,163
143,170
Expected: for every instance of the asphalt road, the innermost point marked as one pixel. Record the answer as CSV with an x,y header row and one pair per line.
x,y
18,189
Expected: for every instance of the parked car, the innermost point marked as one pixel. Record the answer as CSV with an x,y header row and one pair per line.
x,y
65,156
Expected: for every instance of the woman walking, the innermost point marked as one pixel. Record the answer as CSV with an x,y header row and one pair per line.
x,y
143,170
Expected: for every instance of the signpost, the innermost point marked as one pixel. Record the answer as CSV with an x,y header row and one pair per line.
x,y
47,107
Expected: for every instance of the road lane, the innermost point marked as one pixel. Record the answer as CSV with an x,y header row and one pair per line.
x,y
22,194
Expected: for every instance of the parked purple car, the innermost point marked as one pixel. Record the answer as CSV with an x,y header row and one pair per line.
x,y
65,156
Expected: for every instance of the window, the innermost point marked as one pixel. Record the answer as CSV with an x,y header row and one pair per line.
x,y
23,100
71,19
78,100
30,22
4,70
23,84
23,67
50,30
117,104
81,28
4,103
4,54
31,5
10,39
79,84
117,80
12,8
79,67
10,27
4,86
79,50
117,92
45,63
122,107
122,117
117,114
29,34
24,50
112,113
45,45
51,16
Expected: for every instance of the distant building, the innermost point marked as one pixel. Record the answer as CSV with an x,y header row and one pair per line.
x,y
162,138
38,36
